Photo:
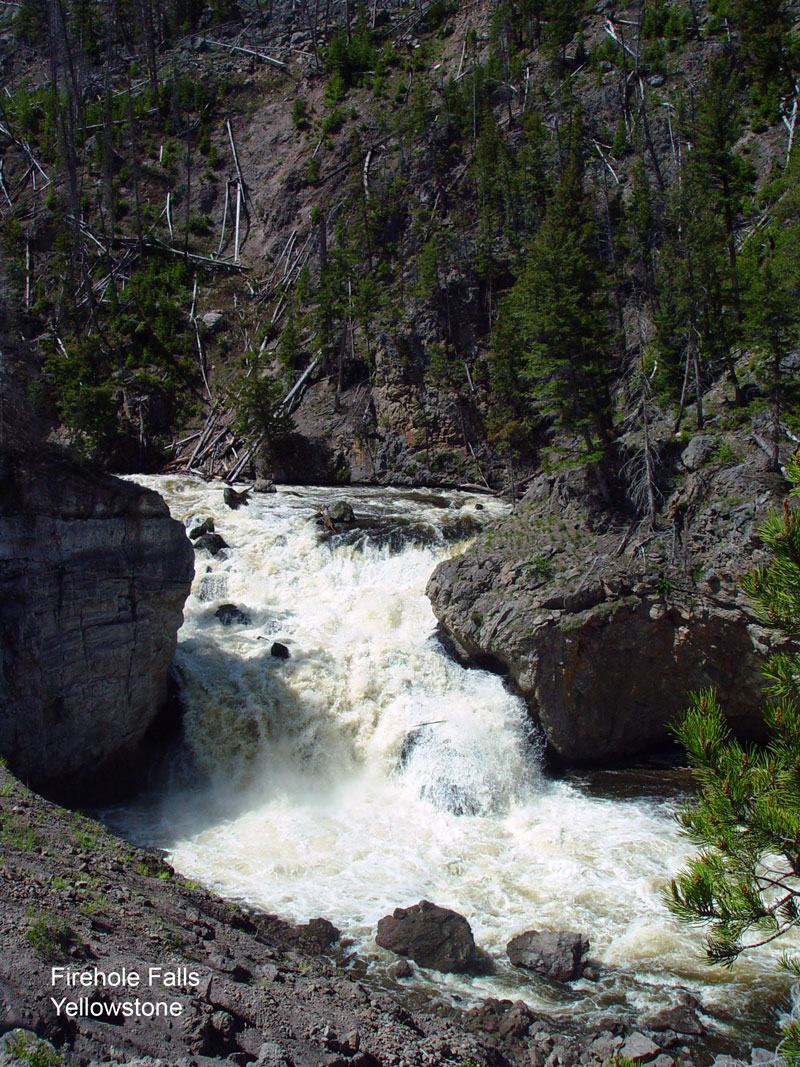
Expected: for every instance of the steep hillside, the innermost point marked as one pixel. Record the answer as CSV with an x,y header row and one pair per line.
x,y
477,238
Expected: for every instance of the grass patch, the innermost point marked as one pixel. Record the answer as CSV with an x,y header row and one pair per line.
x,y
50,937
38,1053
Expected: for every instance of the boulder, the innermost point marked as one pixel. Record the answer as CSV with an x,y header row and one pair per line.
x,y
681,1017
402,969
228,614
698,451
318,934
233,499
93,577
639,1048
212,543
341,511
212,319
558,955
279,650
264,485
430,935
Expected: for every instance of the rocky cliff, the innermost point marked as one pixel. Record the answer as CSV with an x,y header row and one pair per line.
x,y
603,625
93,576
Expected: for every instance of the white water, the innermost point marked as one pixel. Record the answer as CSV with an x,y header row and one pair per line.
x,y
307,807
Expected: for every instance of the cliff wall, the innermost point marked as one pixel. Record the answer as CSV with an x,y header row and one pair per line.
x,y
93,576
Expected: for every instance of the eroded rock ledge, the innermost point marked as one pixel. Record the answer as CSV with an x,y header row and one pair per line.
x,y
603,626
93,577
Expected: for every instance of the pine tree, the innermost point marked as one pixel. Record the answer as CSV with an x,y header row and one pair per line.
x,y
771,302
557,314
764,29
746,878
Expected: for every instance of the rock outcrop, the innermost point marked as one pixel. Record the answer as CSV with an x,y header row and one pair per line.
x,y
603,626
93,577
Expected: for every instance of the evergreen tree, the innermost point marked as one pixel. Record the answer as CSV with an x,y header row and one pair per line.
x,y
700,317
746,877
558,313
764,29
771,303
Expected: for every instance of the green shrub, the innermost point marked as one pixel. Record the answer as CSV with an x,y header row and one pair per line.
x,y
52,938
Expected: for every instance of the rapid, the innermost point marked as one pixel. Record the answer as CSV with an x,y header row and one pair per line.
x,y
369,770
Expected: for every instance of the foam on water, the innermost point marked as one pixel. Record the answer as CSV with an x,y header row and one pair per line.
x,y
369,770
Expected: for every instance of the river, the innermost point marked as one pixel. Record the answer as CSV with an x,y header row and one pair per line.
x,y
369,770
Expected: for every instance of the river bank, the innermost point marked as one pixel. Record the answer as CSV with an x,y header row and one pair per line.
x,y
251,988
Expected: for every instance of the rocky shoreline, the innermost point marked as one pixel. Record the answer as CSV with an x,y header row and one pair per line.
x,y
252,988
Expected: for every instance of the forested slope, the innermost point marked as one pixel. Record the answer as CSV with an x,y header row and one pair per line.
x,y
501,235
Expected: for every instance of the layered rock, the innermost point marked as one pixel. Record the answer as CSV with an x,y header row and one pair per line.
x,y
605,626
93,577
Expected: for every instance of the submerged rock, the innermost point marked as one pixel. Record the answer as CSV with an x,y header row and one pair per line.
x,y
212,543
447,776
212,587
197,525
228,614
93,577
235,500
558,955
432,936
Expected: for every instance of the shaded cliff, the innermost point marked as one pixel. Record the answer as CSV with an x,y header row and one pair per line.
x,y
93,576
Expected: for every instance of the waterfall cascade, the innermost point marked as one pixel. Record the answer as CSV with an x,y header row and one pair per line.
x,y
369,770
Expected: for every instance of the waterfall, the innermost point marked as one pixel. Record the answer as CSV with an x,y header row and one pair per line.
x,y
370,770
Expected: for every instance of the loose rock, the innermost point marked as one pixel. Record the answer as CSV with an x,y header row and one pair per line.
x,y
638,1048
432,936
557,955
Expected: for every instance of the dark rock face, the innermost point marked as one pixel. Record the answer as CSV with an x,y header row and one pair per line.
x,y
604,630
432,936
558,955
93,577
